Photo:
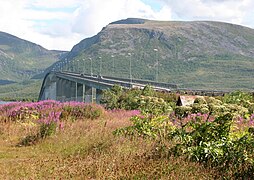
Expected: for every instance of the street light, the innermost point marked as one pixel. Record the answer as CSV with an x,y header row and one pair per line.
x,y
78,66
130,69
65,64
68,65
72,65
100,65
157,62
61,66
84,66
91,67
113,72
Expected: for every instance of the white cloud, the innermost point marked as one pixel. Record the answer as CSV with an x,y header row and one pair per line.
x,y
233,11
94,14
51,4
60,24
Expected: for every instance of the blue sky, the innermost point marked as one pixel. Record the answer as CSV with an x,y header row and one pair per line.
x,y
155,5
60,24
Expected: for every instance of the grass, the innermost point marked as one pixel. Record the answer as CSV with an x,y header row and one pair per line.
x,y
87,149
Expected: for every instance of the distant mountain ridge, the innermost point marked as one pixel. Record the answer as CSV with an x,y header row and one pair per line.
x,y
21,59
193,54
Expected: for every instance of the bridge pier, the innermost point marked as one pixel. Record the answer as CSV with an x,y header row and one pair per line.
x,y
72,90
67,90
79,92
50,91
60,90
90,94
98,95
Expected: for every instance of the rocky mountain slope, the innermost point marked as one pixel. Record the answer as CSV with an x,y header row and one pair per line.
x,y
198,54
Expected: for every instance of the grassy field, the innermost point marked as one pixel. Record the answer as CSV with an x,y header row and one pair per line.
x,y
87,149
137,134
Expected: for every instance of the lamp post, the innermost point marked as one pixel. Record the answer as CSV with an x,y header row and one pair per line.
x,y
130,73
65,64
72,65
113,72
157,63
100,65
83,65
68,65
61,66
78,66
91,67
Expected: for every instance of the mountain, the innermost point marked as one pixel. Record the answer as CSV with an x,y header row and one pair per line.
x,y
21,59
195,54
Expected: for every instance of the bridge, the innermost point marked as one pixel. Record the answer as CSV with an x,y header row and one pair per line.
x,y
69,86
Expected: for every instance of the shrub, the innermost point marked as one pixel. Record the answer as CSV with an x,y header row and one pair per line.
x,y
135,98
182,111
148,91
199,108
237,97
156,127
212,100
200,100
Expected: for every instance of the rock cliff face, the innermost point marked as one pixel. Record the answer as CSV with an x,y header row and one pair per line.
x,y
198,54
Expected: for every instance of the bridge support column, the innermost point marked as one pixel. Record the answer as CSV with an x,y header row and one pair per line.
x,y
90,94
84,93
98,95
67,90
79,92
50,91
73,90
60,90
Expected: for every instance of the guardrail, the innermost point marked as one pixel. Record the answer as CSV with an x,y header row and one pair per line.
x,y
160,86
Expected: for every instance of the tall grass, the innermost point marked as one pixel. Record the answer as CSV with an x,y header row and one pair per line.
x,y
87,149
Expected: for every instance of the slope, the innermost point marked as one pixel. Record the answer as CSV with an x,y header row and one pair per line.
x,y
21,59
198,54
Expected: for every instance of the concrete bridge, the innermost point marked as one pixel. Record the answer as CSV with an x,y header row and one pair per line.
x,y
69,86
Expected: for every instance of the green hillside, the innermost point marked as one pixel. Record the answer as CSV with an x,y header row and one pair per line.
x,y
21,59
198,55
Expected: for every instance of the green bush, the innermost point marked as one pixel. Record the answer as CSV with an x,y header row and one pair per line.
x,y
136,99
182,111
237,97
156,127
200,100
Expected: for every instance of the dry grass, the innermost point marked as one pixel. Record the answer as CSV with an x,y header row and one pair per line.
x,y
86,149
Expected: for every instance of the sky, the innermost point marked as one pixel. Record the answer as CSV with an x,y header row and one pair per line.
x,y
60,24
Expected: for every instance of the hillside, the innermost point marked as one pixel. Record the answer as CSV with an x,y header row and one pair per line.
x,y
198,54
21,59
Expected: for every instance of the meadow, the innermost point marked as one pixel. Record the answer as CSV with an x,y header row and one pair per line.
x,y
135,134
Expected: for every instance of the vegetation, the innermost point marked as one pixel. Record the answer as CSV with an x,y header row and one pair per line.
x,y
215,133
213,138
137,134
21,59
82,148
28,90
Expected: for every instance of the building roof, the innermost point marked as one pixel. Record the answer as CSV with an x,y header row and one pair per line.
x,y
185,100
